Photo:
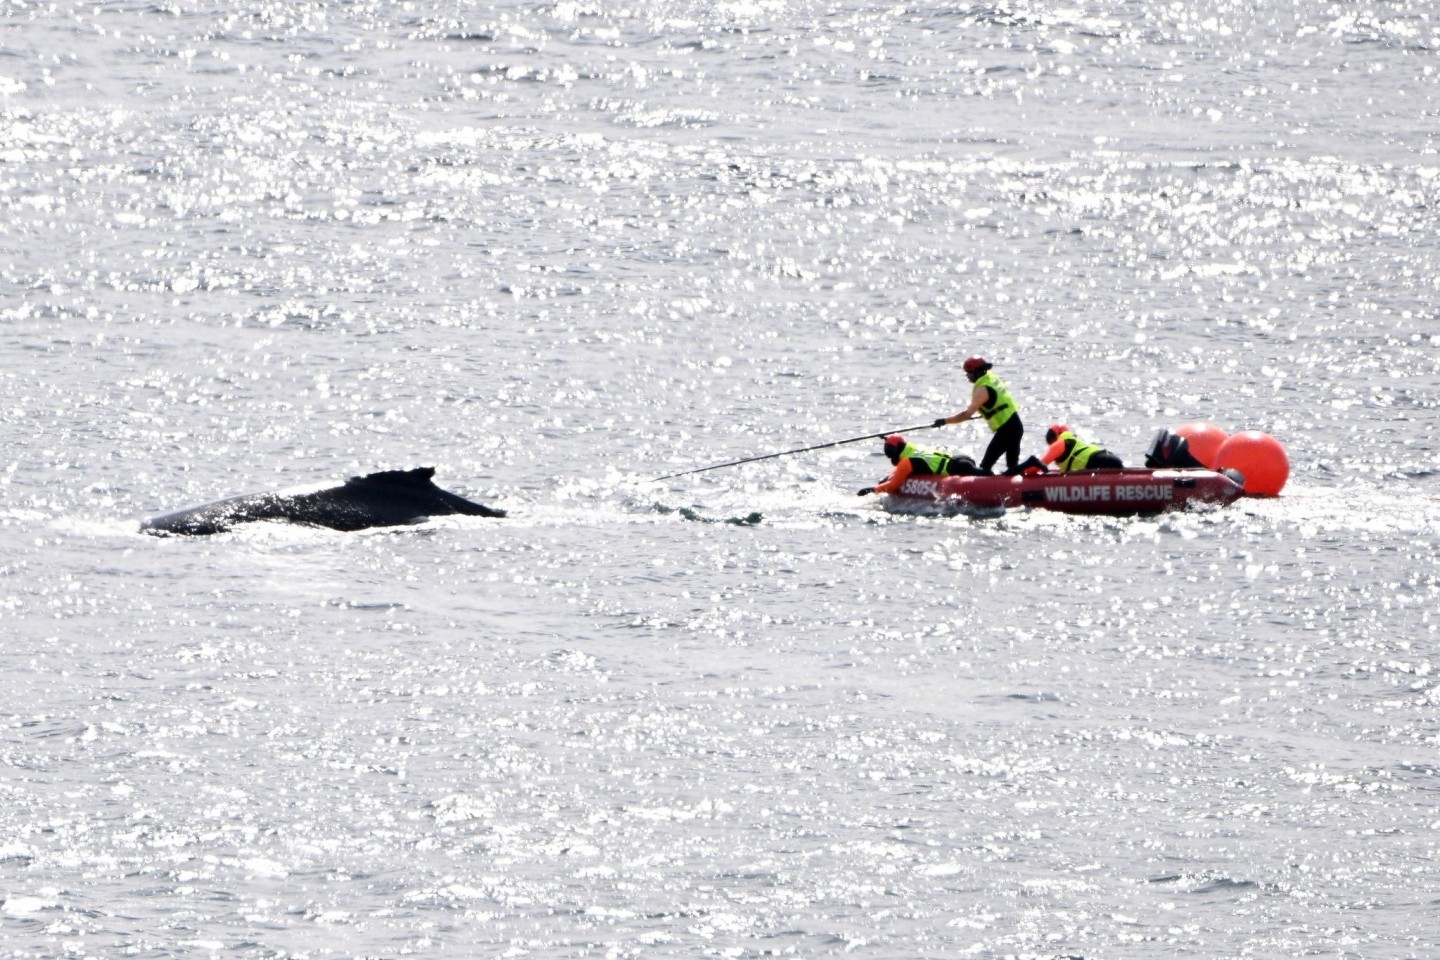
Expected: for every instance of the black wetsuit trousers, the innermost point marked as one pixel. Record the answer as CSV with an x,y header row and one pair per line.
x,y
1006,441
1104,459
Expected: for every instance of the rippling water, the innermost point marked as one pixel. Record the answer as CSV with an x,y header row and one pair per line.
x,y
557,250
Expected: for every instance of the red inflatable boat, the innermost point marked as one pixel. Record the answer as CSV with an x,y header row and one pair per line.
x,y
1122,492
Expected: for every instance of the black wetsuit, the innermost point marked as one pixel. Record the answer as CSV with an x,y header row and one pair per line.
x,y
1005,441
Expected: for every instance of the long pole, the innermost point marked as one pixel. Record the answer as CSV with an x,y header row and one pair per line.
x,y
786,453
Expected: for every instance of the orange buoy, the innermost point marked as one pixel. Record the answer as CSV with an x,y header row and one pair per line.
x,y
1204,440
1261,459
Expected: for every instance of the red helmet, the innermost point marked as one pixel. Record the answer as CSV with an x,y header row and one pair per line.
x,y
893,445
977,365
1054,432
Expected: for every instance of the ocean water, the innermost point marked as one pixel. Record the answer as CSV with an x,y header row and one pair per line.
x,y
558,250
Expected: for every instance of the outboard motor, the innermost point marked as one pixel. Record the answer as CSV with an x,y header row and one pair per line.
x,y
1170,450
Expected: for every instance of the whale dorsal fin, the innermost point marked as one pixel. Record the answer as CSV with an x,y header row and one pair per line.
x,y
420,476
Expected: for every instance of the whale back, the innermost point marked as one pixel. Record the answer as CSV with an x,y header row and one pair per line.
x,y
384,499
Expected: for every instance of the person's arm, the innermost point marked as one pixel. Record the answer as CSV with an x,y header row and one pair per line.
x,y
977,400
896,479
1054,452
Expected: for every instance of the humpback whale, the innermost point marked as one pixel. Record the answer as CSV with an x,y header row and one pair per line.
x,y
385,499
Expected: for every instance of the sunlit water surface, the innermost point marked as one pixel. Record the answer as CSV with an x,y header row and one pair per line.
x,y
557,250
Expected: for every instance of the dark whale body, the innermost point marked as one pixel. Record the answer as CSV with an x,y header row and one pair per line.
x,y
385,499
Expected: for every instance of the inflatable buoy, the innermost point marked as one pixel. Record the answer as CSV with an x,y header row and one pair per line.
x,y
1204,439
1260,457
